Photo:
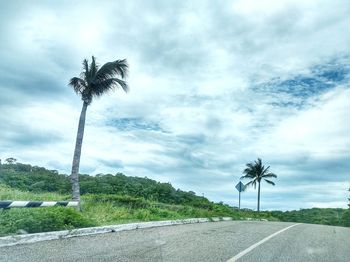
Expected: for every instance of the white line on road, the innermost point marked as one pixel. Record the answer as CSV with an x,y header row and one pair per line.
x,y
241,254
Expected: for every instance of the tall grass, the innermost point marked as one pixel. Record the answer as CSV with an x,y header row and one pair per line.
x,y
7,193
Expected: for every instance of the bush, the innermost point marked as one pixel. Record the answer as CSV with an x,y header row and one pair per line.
x,y
345,220
117,200
35,220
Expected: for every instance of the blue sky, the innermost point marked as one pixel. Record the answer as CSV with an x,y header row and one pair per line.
x,y
213,87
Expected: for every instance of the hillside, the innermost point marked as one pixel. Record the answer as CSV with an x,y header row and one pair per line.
x,y
97,209
106,199
112,199
38,179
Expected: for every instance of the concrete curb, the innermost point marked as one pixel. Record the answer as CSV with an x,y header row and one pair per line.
x,y
37,237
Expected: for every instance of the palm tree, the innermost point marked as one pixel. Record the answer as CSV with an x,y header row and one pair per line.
x,y
256,171
93,82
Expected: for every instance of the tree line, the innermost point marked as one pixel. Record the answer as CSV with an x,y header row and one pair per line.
x,y
39,179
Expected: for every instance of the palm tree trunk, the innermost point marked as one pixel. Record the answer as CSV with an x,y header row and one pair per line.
x,y
258,197
77,152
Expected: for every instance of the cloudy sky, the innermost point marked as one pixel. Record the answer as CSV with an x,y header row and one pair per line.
x,y
214,85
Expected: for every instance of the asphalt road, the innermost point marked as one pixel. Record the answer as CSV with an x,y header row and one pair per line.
x,y
220,241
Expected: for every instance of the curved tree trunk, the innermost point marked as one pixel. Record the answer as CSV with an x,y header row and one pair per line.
x,y
258,196
77,152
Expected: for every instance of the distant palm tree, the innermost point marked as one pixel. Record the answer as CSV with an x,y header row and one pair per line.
x,y
94,81
256,171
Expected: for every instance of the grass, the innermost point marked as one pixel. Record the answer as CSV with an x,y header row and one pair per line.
x,y
7,193
124,209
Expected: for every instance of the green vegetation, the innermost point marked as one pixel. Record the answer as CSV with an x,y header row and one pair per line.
x,y
38,180
256,172
114,199
41,220
325,216
345,220
101,209
94,82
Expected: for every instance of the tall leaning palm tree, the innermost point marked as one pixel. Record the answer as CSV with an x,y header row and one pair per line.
x,y
256,171
94,81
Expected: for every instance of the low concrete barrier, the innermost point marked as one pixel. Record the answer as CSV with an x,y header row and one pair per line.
x,y
32,238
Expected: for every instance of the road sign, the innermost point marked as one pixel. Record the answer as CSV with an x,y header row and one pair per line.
x,y
240,186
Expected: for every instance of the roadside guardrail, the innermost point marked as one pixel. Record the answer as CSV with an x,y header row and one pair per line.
x,y
11,204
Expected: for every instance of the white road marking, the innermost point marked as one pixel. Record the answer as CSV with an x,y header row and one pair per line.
x,y
244,252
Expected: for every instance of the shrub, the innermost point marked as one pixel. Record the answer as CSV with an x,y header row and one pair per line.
x,y
41,220
118,200
345,219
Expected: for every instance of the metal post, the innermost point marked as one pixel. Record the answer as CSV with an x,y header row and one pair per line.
x,y
239,206
240,188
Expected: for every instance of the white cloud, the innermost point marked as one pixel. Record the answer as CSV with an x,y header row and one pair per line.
x,y
319,130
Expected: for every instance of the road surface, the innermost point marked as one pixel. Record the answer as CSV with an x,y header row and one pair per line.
x,y
220,241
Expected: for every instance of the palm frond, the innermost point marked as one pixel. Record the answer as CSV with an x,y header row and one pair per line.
x,y
250,166
250,169
78,84
251,183
259,162
112,69
248,176
93,67
85,72
264,170
270,182
121,83
100,88
270,175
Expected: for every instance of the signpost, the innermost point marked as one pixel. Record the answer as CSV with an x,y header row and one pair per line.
x,y
240,188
